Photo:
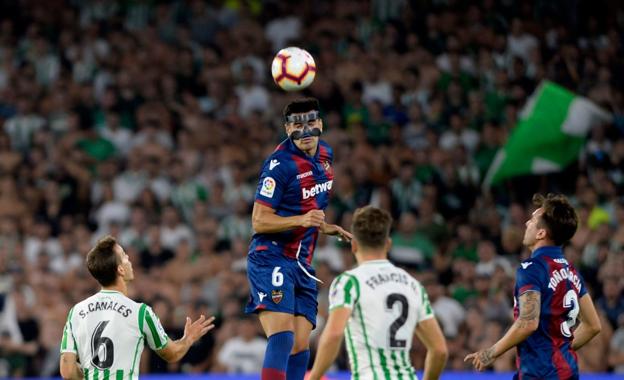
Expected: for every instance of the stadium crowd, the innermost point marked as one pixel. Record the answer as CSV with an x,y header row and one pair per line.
x,y
149,120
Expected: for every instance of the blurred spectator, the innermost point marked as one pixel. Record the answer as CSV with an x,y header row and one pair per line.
x,y
459,135
284,27
23,125
406,189
409,247
611,302
450,313
95,146
173,231
155,254
466,246
489,260
245,352
616,355
21,355
328,252
10,334
251,96
520,43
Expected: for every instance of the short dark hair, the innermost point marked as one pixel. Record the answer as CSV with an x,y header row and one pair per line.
x,y
558,217
371,226
301,106
102,261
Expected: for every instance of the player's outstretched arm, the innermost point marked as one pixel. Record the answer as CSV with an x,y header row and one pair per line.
x,y
329,343
176,350
590,323
430,334
333,230
529,305
265,221
70,370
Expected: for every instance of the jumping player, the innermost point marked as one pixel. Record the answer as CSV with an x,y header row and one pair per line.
x,y
549,296
379,307
293,191
105,334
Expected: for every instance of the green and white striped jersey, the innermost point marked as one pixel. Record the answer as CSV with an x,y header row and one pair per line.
x,y
108,332
387,305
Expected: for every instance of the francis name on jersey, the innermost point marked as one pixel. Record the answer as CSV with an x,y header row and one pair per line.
x,y
387,305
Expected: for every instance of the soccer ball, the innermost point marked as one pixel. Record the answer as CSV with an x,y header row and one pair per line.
x,y
293,69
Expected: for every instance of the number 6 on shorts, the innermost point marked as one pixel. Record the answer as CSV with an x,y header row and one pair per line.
x,y
277,278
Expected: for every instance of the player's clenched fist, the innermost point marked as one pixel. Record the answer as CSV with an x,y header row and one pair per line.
x,y
313,218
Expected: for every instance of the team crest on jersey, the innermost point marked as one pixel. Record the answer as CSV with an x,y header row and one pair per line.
x,y
268,187
277,295
327,166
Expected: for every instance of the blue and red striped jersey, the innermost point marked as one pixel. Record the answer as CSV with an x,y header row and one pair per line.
x,y
547,353
293,183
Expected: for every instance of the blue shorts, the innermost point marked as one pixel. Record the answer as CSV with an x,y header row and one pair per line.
x,y
277,283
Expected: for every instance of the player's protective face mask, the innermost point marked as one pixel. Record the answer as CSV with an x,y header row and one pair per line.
x,y
305,125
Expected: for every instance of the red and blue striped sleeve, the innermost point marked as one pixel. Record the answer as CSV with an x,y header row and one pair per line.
x,y
529,277
273,182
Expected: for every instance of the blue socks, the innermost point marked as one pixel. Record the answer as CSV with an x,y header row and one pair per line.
x,y
276,356
298,365
279,364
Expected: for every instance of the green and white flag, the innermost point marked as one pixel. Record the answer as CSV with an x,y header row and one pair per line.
x,y
550,134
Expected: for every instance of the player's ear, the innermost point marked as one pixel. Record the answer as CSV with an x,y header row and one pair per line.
x,y
388,245
121,271
354,246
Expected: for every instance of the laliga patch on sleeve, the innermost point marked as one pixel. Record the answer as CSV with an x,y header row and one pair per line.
x,y
268,187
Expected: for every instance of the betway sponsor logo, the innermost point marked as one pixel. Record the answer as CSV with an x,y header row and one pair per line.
x,y
316,189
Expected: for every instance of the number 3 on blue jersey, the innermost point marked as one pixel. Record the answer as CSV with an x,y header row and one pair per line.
x,y
570,300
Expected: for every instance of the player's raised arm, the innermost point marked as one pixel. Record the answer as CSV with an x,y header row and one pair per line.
x,y
428,331
70,370
336,230
343,295
330,341
69,355
264,220
157,339
175,350
520,330
430,334
274,181
590,323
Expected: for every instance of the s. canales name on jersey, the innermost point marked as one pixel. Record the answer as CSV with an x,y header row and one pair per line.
x,y
316,189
